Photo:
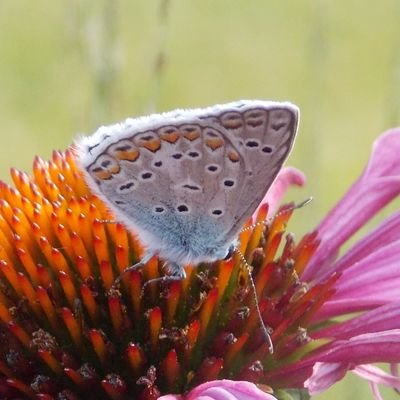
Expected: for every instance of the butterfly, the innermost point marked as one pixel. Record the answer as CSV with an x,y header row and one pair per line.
x,y
187,181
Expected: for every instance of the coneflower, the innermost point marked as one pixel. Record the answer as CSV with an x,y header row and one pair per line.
x,y
68,332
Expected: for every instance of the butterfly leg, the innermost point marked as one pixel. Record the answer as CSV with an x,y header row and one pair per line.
x,y
177,273
139,264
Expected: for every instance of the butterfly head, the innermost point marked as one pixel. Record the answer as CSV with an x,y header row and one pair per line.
x,y
215,253
195,253
229,252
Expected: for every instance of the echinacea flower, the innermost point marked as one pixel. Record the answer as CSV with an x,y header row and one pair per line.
x,y
223,390
68,332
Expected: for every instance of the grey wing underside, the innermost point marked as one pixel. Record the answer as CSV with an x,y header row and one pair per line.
x,y
264,137
217,165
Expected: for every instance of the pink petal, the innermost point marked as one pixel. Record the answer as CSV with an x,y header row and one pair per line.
x,y
287,177
364,349
347,306
376,375
394,369
376,268
375,391
223,390
229,390
387,232
324,376
368,283
379,184
383,318
368,297
341,356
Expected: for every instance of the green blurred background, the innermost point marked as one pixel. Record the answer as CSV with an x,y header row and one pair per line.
x,y
67,67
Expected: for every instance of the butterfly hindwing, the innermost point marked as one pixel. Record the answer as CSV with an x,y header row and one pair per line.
x,y
264,136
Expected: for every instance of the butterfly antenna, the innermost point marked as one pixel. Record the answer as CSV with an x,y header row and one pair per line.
x,y
264,329
286,210
107,221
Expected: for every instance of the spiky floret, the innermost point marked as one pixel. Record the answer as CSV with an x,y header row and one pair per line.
x,y
67,332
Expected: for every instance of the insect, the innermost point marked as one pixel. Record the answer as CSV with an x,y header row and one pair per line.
x,y
187,181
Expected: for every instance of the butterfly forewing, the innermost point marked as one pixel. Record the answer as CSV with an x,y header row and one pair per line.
x,y
193,173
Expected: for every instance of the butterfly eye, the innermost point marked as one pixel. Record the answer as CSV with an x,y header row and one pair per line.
x,y
230,252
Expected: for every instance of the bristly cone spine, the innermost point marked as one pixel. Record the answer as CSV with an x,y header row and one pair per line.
x,y
67,333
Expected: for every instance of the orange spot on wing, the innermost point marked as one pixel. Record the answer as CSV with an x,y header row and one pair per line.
x,y
255,122
104,172
101,173
129,155
215,143
191,134
233,156
170,137
232,123
152,145
114,169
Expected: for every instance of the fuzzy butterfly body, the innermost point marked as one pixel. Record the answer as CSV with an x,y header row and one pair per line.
x,y
186,181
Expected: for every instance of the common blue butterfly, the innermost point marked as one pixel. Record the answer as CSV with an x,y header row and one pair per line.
x,y
187,181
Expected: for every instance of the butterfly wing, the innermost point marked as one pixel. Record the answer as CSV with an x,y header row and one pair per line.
x,y
263,134
189,178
